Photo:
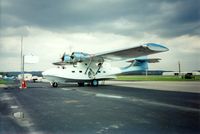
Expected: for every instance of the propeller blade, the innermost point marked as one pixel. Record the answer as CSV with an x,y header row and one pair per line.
x,y
63,57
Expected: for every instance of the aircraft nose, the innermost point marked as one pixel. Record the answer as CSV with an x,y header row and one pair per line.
x,y
47,72
44,73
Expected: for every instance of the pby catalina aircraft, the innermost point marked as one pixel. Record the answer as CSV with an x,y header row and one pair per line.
x,y
91,68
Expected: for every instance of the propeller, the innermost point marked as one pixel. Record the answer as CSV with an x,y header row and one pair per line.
x,y
63,57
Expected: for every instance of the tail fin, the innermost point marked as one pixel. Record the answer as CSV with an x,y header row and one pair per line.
x,y
139,64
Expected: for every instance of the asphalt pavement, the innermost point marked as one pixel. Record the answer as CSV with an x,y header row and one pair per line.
x,y
113,108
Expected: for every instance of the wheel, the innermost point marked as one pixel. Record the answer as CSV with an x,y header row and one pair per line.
x,y
55,84
95,83
81,84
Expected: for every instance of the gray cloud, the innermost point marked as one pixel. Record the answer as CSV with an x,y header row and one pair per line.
x,y
166,18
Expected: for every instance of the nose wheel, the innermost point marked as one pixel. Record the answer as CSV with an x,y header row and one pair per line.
x,y
54,84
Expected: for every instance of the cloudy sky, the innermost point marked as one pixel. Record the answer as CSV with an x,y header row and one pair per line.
x,y
51,27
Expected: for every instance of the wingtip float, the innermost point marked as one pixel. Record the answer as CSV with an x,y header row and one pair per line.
x,y
156,47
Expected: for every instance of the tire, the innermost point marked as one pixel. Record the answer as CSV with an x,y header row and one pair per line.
x,y
54,84
95,83
81,84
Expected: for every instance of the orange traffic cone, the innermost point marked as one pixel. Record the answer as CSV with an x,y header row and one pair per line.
x,y
23,84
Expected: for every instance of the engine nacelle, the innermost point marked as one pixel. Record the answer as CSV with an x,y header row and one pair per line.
x,y
79,56
67,58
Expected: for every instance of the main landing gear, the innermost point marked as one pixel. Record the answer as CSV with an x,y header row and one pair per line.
x,y
81,84
93,83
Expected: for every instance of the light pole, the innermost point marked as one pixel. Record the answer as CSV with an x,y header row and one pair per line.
x,y
23,83
22,59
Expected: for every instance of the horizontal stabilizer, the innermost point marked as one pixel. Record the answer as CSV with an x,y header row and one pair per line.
x,y
139,64
153,60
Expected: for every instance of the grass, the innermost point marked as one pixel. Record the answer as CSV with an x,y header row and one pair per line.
x,y
154,78
3,82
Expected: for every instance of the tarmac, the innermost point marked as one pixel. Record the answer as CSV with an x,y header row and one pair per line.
x,y
112,108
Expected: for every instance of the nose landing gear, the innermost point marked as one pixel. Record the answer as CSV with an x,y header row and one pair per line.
x,y
54,84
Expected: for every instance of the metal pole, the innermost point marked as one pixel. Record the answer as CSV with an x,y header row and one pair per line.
x,y
179,68
146,72
23,69
22,60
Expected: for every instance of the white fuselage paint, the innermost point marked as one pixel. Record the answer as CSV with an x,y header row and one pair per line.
x,y
81,72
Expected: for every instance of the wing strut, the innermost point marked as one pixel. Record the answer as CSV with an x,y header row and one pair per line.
x,y
99,66
89,65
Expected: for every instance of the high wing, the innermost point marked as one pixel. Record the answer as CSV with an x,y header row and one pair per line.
x,y
122,54
133,52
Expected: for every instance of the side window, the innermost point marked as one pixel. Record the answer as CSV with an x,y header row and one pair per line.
x,y
80,71
73,71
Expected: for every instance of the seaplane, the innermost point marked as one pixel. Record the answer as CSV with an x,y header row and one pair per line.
x,y
84,68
